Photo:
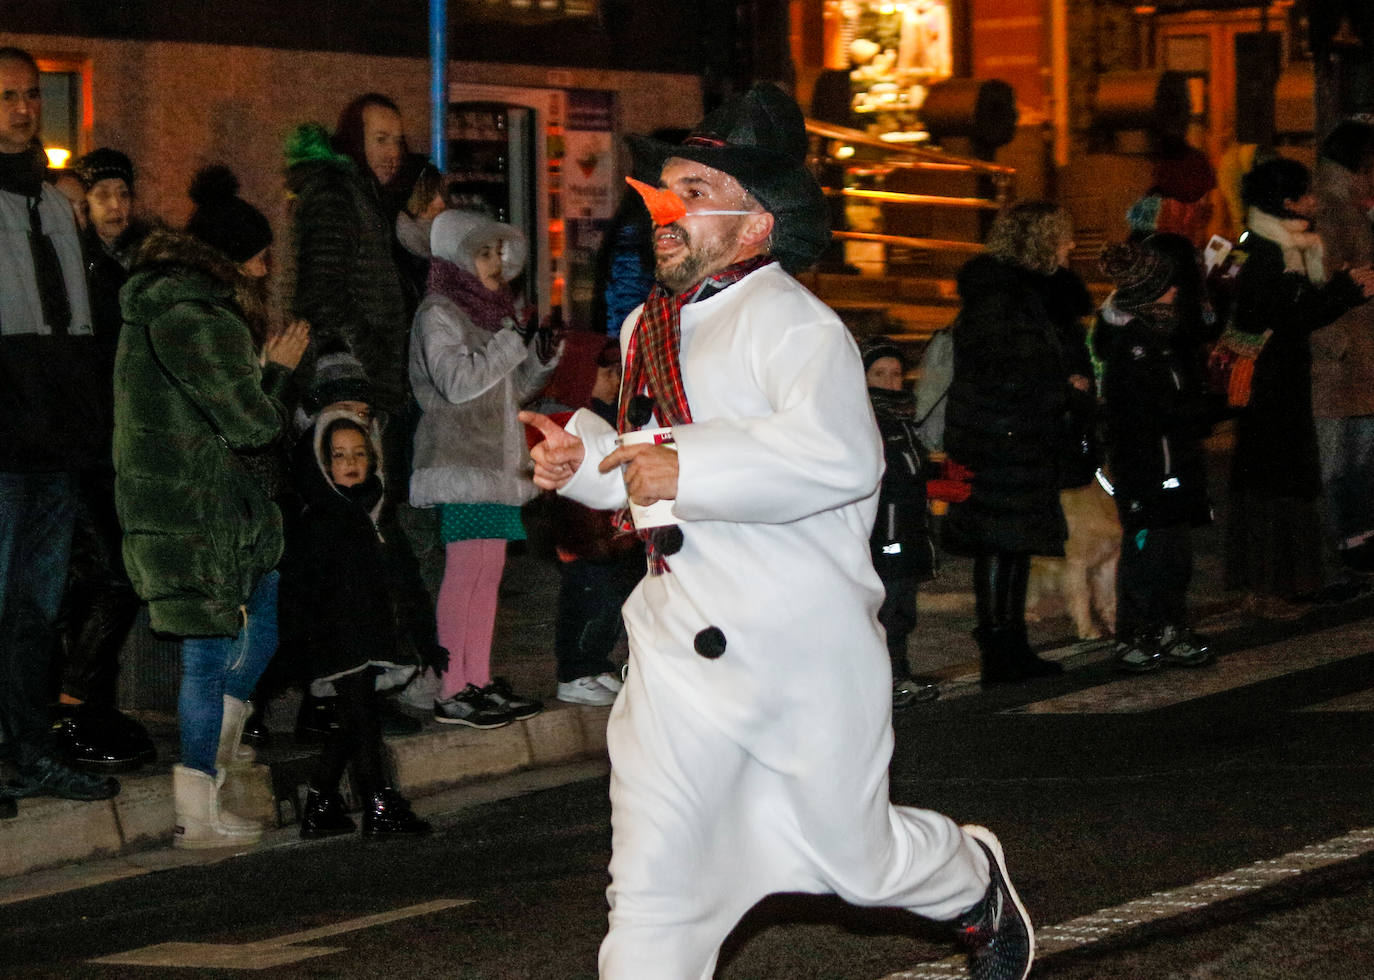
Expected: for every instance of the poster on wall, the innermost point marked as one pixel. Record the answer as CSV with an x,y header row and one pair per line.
x,y
591,192
589,162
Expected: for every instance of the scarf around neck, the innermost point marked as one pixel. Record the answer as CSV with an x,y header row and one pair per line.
x,y
653,368
1302,249
490,310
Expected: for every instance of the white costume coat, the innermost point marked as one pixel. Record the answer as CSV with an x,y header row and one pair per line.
x,y
764,770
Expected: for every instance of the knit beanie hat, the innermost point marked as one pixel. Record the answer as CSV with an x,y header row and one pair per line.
x,y
104,164
875,348
339,377
1142,274
222,219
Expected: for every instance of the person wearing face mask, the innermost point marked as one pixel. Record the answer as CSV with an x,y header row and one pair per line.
x,y
197,386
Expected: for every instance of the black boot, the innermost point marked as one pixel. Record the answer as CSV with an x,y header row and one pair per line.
x,y
324,816
388,814
255,731
999,591
316,720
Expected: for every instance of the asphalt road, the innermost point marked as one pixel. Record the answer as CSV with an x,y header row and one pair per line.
x,y
1216,823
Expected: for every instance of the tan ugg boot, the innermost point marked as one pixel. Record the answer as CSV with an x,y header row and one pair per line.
x,y
199,824
231,748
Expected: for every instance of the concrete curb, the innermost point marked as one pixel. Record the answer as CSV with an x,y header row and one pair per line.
x,y
48,833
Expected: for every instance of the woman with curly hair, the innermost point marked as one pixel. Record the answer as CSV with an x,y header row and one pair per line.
x,y
1019,418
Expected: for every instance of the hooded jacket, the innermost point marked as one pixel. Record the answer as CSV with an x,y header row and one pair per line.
x,y
470,381
1158,411
349,575
346,280
199,529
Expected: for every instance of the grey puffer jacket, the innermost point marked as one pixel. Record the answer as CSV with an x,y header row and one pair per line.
x,y
470,382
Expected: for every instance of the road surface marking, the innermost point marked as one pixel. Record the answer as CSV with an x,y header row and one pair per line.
x,y
1092,928
1234,670
268,953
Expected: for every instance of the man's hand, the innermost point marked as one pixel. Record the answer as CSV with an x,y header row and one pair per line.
x,y
650,472
557,458
288,347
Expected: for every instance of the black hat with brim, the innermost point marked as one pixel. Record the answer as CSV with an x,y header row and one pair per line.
x,y
758,138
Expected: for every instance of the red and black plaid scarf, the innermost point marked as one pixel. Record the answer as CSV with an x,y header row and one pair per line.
x,y
653,368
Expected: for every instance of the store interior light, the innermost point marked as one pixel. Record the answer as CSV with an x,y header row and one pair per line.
x,y
844,152
57,156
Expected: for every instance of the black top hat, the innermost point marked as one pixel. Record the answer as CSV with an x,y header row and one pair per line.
x,y
759,138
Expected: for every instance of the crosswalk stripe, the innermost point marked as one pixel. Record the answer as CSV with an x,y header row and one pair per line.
x,y
1096,926
1235,670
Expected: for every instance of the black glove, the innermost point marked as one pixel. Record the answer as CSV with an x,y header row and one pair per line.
x,y
546,343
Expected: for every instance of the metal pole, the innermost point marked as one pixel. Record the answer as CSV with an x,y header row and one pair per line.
x,y
438,83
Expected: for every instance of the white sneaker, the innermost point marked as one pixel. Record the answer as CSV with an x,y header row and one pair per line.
x,y
585,690
610,681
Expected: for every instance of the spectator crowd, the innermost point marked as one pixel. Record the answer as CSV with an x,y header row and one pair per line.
x,y
318,492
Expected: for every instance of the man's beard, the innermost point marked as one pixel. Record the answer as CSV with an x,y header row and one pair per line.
x,y
698,261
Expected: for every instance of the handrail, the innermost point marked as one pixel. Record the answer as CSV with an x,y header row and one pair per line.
x,y
904,156
945,160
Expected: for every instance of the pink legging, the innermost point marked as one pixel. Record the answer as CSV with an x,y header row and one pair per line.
x,y
466,610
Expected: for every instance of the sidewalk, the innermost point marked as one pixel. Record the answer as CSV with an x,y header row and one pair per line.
x,y
48,833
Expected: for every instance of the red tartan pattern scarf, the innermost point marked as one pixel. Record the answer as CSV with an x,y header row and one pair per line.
x,y
653,368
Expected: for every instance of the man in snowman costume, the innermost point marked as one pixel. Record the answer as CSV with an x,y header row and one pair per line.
x,y
750,745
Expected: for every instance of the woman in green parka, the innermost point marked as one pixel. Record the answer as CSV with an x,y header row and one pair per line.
x,y
201,536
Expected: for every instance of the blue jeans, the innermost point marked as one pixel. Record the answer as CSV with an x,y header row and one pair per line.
x,y
37,514
213,666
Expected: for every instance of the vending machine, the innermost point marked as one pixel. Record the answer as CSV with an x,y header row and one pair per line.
x,y
504,159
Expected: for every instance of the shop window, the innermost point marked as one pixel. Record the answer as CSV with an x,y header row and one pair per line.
x,y
534,10
896,50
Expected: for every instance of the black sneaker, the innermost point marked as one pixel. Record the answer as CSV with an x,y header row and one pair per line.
x,y
46,776
1137,656
499,695
469,707
907,691
997,930
1183,648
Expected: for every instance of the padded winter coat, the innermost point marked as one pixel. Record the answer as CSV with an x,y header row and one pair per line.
x,y
199,530
347,284
1006,419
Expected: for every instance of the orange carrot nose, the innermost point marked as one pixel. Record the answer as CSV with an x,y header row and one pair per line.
x,y
664,206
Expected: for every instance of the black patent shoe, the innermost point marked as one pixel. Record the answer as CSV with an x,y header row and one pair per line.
x,y
388,814
324,816
101,740
317,719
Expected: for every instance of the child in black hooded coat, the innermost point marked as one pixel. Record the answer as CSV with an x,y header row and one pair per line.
x,y
354,638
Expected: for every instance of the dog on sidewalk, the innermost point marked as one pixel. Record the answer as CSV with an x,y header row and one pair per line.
x,y
1083,582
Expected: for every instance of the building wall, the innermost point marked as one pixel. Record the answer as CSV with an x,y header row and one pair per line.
x,y
175,106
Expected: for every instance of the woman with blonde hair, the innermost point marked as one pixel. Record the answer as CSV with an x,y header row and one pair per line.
x,y
1019,418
